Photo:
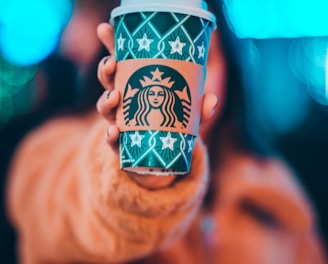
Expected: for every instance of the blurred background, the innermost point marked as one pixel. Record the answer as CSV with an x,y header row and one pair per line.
x,y
46,47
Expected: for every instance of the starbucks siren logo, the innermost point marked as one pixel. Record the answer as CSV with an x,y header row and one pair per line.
x,y
157,95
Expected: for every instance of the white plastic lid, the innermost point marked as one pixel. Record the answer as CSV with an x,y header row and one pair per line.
x,y
190,7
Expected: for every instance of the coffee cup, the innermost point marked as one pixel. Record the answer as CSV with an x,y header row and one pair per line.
x,y
161,52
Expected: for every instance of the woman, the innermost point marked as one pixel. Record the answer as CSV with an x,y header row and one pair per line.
x,y
71,203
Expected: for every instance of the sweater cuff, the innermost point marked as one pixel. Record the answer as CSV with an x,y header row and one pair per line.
x,y
117,190
141,220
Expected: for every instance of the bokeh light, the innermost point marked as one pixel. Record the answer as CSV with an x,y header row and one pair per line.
x,y
14,78
276,100
277,18
309,62
17,90
30,30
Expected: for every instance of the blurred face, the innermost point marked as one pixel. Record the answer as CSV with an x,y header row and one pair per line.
x,y
215,80
156,96
79,42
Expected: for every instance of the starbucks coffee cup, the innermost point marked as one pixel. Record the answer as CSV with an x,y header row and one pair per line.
x,y
161,52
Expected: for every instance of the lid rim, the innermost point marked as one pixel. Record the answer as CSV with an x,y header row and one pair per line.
x,y
122,10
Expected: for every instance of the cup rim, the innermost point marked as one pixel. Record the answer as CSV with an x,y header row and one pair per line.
x,y
158,7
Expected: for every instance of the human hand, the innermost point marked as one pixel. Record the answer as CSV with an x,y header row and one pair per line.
x,y
109,101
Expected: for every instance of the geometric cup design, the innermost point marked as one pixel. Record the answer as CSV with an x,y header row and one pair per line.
x,y
162,35
158,152
157,115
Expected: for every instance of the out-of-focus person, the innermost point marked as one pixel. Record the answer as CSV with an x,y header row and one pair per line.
x,y
70,202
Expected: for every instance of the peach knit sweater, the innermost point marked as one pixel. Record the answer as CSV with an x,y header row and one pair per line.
x,y
71,203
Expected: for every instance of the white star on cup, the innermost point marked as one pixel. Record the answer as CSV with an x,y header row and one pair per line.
x,y
120,42
168,142
136,139
177,46
201,51
144,43
190,144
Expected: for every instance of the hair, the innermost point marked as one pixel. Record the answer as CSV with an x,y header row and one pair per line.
x,y
231,130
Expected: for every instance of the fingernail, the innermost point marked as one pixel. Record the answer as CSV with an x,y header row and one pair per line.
x,y
214,108
106,59
216,103
108,94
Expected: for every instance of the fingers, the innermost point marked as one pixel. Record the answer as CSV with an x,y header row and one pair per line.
x,y
105,33
107,65
106,70
107,104
113,134
210,102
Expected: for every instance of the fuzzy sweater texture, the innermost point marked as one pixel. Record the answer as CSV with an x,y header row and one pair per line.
x,y
71,203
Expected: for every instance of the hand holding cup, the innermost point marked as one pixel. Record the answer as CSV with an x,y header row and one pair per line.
x,y
160,77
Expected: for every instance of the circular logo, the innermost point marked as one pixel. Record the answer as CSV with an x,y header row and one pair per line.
x,y
157,95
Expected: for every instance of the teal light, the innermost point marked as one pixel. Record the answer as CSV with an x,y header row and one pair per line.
x,y
277,18
17,90
277,101
13,78
23,48
30,30
6,111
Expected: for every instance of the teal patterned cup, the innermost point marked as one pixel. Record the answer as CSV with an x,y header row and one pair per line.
x,y
161,53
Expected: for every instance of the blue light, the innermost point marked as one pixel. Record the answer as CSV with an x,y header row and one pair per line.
x,y
277,18
25,49
30,30
276,100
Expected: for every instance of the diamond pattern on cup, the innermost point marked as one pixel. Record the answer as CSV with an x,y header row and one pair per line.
x,y
155,149
162,35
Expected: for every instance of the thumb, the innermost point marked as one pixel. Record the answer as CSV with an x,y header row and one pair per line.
x,y
209,104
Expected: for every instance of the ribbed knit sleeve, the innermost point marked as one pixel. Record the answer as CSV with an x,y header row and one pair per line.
x,y
70,202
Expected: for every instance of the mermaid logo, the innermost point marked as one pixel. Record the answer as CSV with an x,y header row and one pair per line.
x,y
157,96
